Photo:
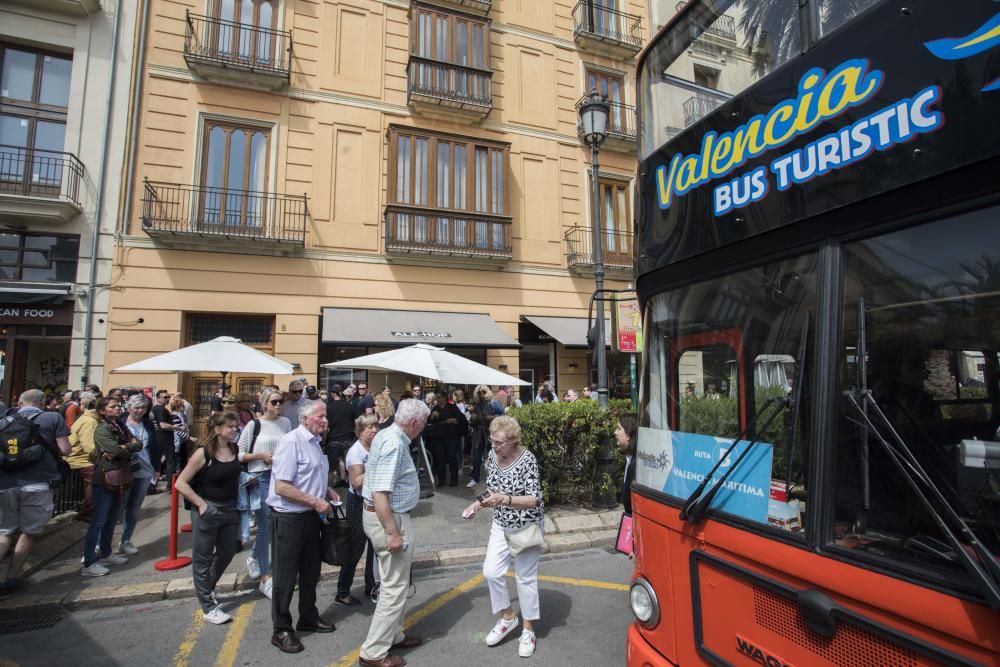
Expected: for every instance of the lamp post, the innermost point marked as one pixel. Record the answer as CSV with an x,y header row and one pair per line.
x,y
594,110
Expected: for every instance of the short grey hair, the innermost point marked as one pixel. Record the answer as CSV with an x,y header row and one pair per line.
x,y
292,385
88,400
410,409
306,408
32,397
137,399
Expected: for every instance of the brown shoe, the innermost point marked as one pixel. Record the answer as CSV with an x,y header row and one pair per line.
x,y
287,642
409,641
388,661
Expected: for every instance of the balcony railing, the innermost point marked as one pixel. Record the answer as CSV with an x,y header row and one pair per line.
x,y
30,172
724,26
191,211
241,46
591,19
450,85
621,120
617,248
430,231
699,106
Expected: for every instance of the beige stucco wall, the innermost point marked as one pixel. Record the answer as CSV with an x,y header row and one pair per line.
x,y
348,85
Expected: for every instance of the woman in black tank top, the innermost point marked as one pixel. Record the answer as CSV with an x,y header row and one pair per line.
x,y
215,519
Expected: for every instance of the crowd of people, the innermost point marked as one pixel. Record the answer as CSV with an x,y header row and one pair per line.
x,y
274,462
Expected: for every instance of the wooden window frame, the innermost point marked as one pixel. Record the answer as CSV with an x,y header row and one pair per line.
x,y
622,225
452,18
471,144
231,126
254,25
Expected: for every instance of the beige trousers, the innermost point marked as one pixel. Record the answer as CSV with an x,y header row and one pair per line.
x,y
394,570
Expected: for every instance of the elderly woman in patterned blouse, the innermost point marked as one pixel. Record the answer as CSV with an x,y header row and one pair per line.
x,y
514,493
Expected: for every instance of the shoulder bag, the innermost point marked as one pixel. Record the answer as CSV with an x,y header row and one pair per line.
x,y
525,538
335,538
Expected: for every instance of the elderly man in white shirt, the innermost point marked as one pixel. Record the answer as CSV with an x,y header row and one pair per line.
x,y
299,499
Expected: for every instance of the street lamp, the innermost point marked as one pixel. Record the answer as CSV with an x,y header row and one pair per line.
x,y
594,110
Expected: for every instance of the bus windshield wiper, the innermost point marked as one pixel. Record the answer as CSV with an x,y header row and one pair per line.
x,y
696,504
984,569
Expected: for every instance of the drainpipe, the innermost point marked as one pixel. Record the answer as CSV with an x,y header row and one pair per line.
x,y
133,141
88,322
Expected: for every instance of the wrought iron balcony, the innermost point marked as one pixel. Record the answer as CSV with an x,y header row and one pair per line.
x,y
603,29
237,53
724,27
417,231
621,125
432,84
201,215
617,247
699,106
40,185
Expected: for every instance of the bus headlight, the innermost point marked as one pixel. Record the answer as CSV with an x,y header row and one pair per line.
x,y
644,603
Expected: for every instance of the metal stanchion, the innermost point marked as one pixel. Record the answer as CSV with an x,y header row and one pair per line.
x,y
173,562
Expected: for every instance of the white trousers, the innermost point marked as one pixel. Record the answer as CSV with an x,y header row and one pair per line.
x,y
498,558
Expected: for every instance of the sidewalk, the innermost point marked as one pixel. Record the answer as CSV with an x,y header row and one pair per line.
x,y
443,538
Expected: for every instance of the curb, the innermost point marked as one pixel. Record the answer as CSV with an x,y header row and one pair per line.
x,y
570,532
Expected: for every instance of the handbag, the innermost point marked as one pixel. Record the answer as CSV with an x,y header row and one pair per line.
x,y
525,538
623,543
118,479
335,538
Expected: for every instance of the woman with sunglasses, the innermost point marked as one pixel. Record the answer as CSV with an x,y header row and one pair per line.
x,y
256,454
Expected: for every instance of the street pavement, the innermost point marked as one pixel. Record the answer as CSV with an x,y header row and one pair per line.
x,y
584,607
444,538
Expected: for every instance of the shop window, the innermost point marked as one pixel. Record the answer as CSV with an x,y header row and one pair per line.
x,y
257,331
234,174
39,258
34,95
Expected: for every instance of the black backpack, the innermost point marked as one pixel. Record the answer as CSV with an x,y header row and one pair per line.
x,y
19,444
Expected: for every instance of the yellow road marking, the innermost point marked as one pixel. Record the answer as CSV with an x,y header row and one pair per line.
x,y
589,583
227,655
420,614
190,639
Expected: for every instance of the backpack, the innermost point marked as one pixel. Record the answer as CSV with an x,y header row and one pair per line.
x,y
19,444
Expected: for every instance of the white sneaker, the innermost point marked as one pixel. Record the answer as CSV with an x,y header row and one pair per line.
x,y
217,616
503,628
114,559
127,548
95,570
526,645
265,588
253,568
471,484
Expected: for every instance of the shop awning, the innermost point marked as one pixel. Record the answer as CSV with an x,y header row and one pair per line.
x,y
15,291
570,331
390,328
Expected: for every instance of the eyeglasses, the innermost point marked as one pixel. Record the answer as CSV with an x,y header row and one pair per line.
x,y
501,443
294,391
276,401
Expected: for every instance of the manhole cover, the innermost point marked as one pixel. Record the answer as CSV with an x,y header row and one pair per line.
x,y
14,626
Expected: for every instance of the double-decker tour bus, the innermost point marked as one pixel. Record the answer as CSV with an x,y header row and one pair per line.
x,y
818,265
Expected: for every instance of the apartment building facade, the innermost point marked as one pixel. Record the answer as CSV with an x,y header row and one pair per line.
x,y
64,83
329,179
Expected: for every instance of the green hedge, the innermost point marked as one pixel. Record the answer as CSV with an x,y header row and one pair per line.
x,y
565,437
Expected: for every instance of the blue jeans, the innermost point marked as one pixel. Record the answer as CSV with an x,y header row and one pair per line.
x,y
262,545
133,503
107,509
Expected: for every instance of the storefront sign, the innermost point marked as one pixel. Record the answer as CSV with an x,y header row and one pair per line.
x,y
627,325
58,314
421,334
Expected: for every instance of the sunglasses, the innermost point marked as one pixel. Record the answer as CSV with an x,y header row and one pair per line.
x,y
294,391
276,401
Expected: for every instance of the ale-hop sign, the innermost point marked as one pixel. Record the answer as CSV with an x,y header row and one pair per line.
x,y
821,96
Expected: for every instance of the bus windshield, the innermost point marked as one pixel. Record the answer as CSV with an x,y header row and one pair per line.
x,y
716,50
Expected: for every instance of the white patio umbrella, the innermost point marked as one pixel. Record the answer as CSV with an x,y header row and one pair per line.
x,y
222,355
430,362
